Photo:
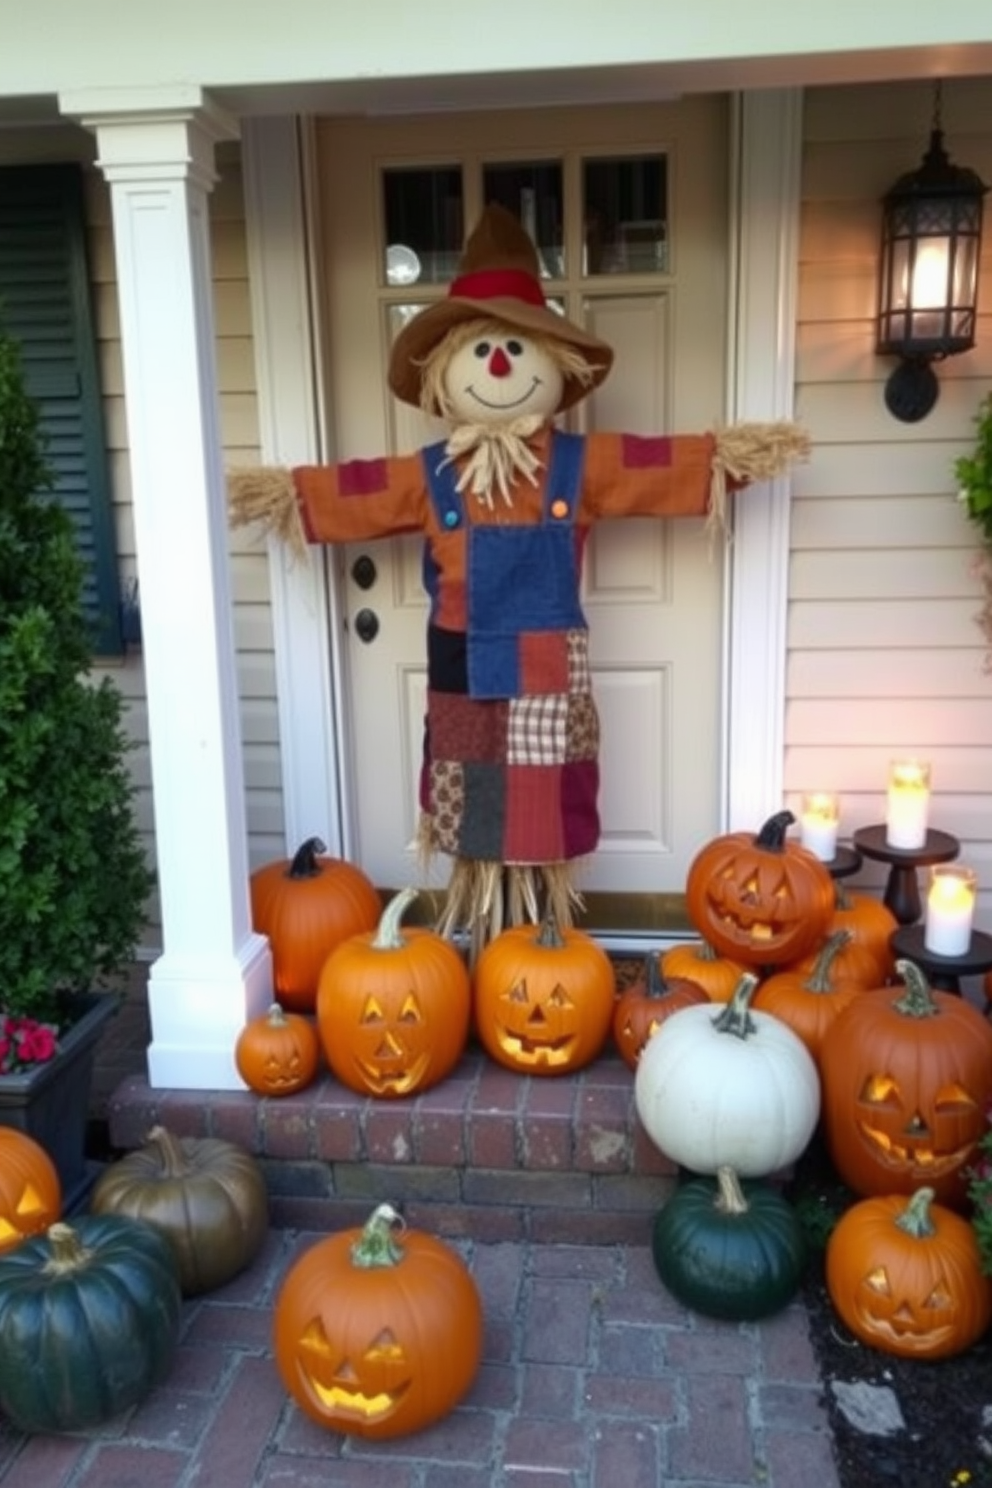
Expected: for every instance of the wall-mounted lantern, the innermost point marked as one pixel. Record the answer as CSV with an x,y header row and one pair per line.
x,y
928,273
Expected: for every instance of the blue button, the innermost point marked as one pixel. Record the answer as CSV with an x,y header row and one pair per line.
x,y
451,519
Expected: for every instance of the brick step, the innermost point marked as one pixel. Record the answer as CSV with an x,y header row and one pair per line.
x,y
486,1153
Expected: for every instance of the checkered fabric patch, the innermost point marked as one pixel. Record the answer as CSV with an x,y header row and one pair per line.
x,y
579,678
537,729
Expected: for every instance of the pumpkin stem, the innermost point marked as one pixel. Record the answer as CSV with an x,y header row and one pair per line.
x,y
771,838
549,937
655,985
68,1252
376,1245
842,899
730,1196
819,978
917,1001
169,1150
276,1017
304,864
388,936
735,1016
916,1218
705,952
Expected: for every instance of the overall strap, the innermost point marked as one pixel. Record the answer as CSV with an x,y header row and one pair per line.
x,y
441,485
564,483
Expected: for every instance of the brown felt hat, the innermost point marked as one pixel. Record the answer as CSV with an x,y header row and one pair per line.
x,y
498,279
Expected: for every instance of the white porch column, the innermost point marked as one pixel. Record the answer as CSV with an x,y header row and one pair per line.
x,y
157,153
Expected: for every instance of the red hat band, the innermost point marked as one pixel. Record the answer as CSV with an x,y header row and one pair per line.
x,y
492,284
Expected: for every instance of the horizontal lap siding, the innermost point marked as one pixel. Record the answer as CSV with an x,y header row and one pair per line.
x,y
249,563
885,656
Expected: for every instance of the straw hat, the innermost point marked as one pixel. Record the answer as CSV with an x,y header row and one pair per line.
x,y
498,279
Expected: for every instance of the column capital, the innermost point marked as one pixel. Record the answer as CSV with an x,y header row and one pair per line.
x,y
144,134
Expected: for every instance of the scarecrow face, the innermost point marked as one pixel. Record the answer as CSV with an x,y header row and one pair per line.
x,y
499,376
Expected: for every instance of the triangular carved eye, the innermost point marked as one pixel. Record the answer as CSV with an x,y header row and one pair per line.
x,y
558,998
30,1202
953,1098
385,1349
410,1011
878,1281
315,1338
881,1090
518,993
939,1299
372,1011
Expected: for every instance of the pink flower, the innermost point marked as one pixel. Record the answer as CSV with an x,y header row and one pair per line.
x,y
25,1042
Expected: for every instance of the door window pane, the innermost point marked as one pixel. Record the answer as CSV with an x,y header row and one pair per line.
x,y
625,215
532,190
423,211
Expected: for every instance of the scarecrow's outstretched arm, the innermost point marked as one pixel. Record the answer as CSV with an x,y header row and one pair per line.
x,y
265,497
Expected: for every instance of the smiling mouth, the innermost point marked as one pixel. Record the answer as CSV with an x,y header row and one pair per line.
x,y
501,407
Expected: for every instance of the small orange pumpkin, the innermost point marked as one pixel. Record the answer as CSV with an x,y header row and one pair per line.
x,y
867,956
642,1007
393,1007
906,1277
698,962
809,1000
307,906
544,998
378,1334
277,1053
763,898
30,1192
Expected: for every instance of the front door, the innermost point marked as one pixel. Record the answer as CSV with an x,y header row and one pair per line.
x,y
628,206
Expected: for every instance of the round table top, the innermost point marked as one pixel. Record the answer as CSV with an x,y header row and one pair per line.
x,y
939,847
908,941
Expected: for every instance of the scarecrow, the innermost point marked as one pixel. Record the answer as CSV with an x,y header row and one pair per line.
x,y
510,771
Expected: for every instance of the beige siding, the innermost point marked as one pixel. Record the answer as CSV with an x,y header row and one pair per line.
x,y
239,430
885,656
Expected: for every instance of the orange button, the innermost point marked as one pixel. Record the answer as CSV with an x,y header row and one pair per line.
x,y
559,508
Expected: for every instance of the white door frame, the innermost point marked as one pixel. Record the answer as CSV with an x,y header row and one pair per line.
x,y
765,173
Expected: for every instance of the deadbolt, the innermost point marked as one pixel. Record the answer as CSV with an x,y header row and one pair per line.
x,y
363,571
367,625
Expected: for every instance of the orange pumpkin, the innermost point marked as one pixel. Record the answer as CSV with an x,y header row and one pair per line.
x,y
278,1053
867,957
307,906
544,998
809,1001
642,1007
30,1192
698,962
906,1278
377,1335
907,1078
762,899
393,1007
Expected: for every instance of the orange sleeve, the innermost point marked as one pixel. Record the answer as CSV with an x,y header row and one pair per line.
x,y
362,499
626,475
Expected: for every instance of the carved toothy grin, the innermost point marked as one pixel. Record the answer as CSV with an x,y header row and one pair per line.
x,y
896,1155
534,1051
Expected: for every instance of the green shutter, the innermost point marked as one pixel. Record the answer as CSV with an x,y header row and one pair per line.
x,y
45,305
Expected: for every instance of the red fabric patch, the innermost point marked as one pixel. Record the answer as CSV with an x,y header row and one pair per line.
x,y
532,831
363,477
464,730
638,453
543,662
579,789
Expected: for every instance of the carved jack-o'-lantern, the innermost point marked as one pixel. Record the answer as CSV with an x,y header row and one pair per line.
x,y
378,1335
642,1007
762,900
393,1007
544,998
907,1078
278,1053
907,1277
30,1192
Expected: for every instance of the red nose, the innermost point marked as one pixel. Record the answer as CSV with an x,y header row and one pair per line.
x,y
499,363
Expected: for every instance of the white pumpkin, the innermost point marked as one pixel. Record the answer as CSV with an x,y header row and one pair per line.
x,y
728,1086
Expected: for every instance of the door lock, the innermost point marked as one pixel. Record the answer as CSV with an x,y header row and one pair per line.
x,y
367,625
363,571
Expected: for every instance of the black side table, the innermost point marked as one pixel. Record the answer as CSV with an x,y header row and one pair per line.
x,y
944,973
902,892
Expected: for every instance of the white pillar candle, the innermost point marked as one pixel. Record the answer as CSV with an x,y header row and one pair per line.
x,y
908,804
819,824
950,910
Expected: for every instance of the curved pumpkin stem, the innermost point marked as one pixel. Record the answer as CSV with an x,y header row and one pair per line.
x,y
68,1251
819,978
549,937
276,1016
304,864
169,1150
735,1016
730,1196
388,936
771,838
377,1245
916,1218
917,1001
655,985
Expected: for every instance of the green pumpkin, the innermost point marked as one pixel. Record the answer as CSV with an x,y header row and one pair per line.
x,y
89,1322
729,1250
